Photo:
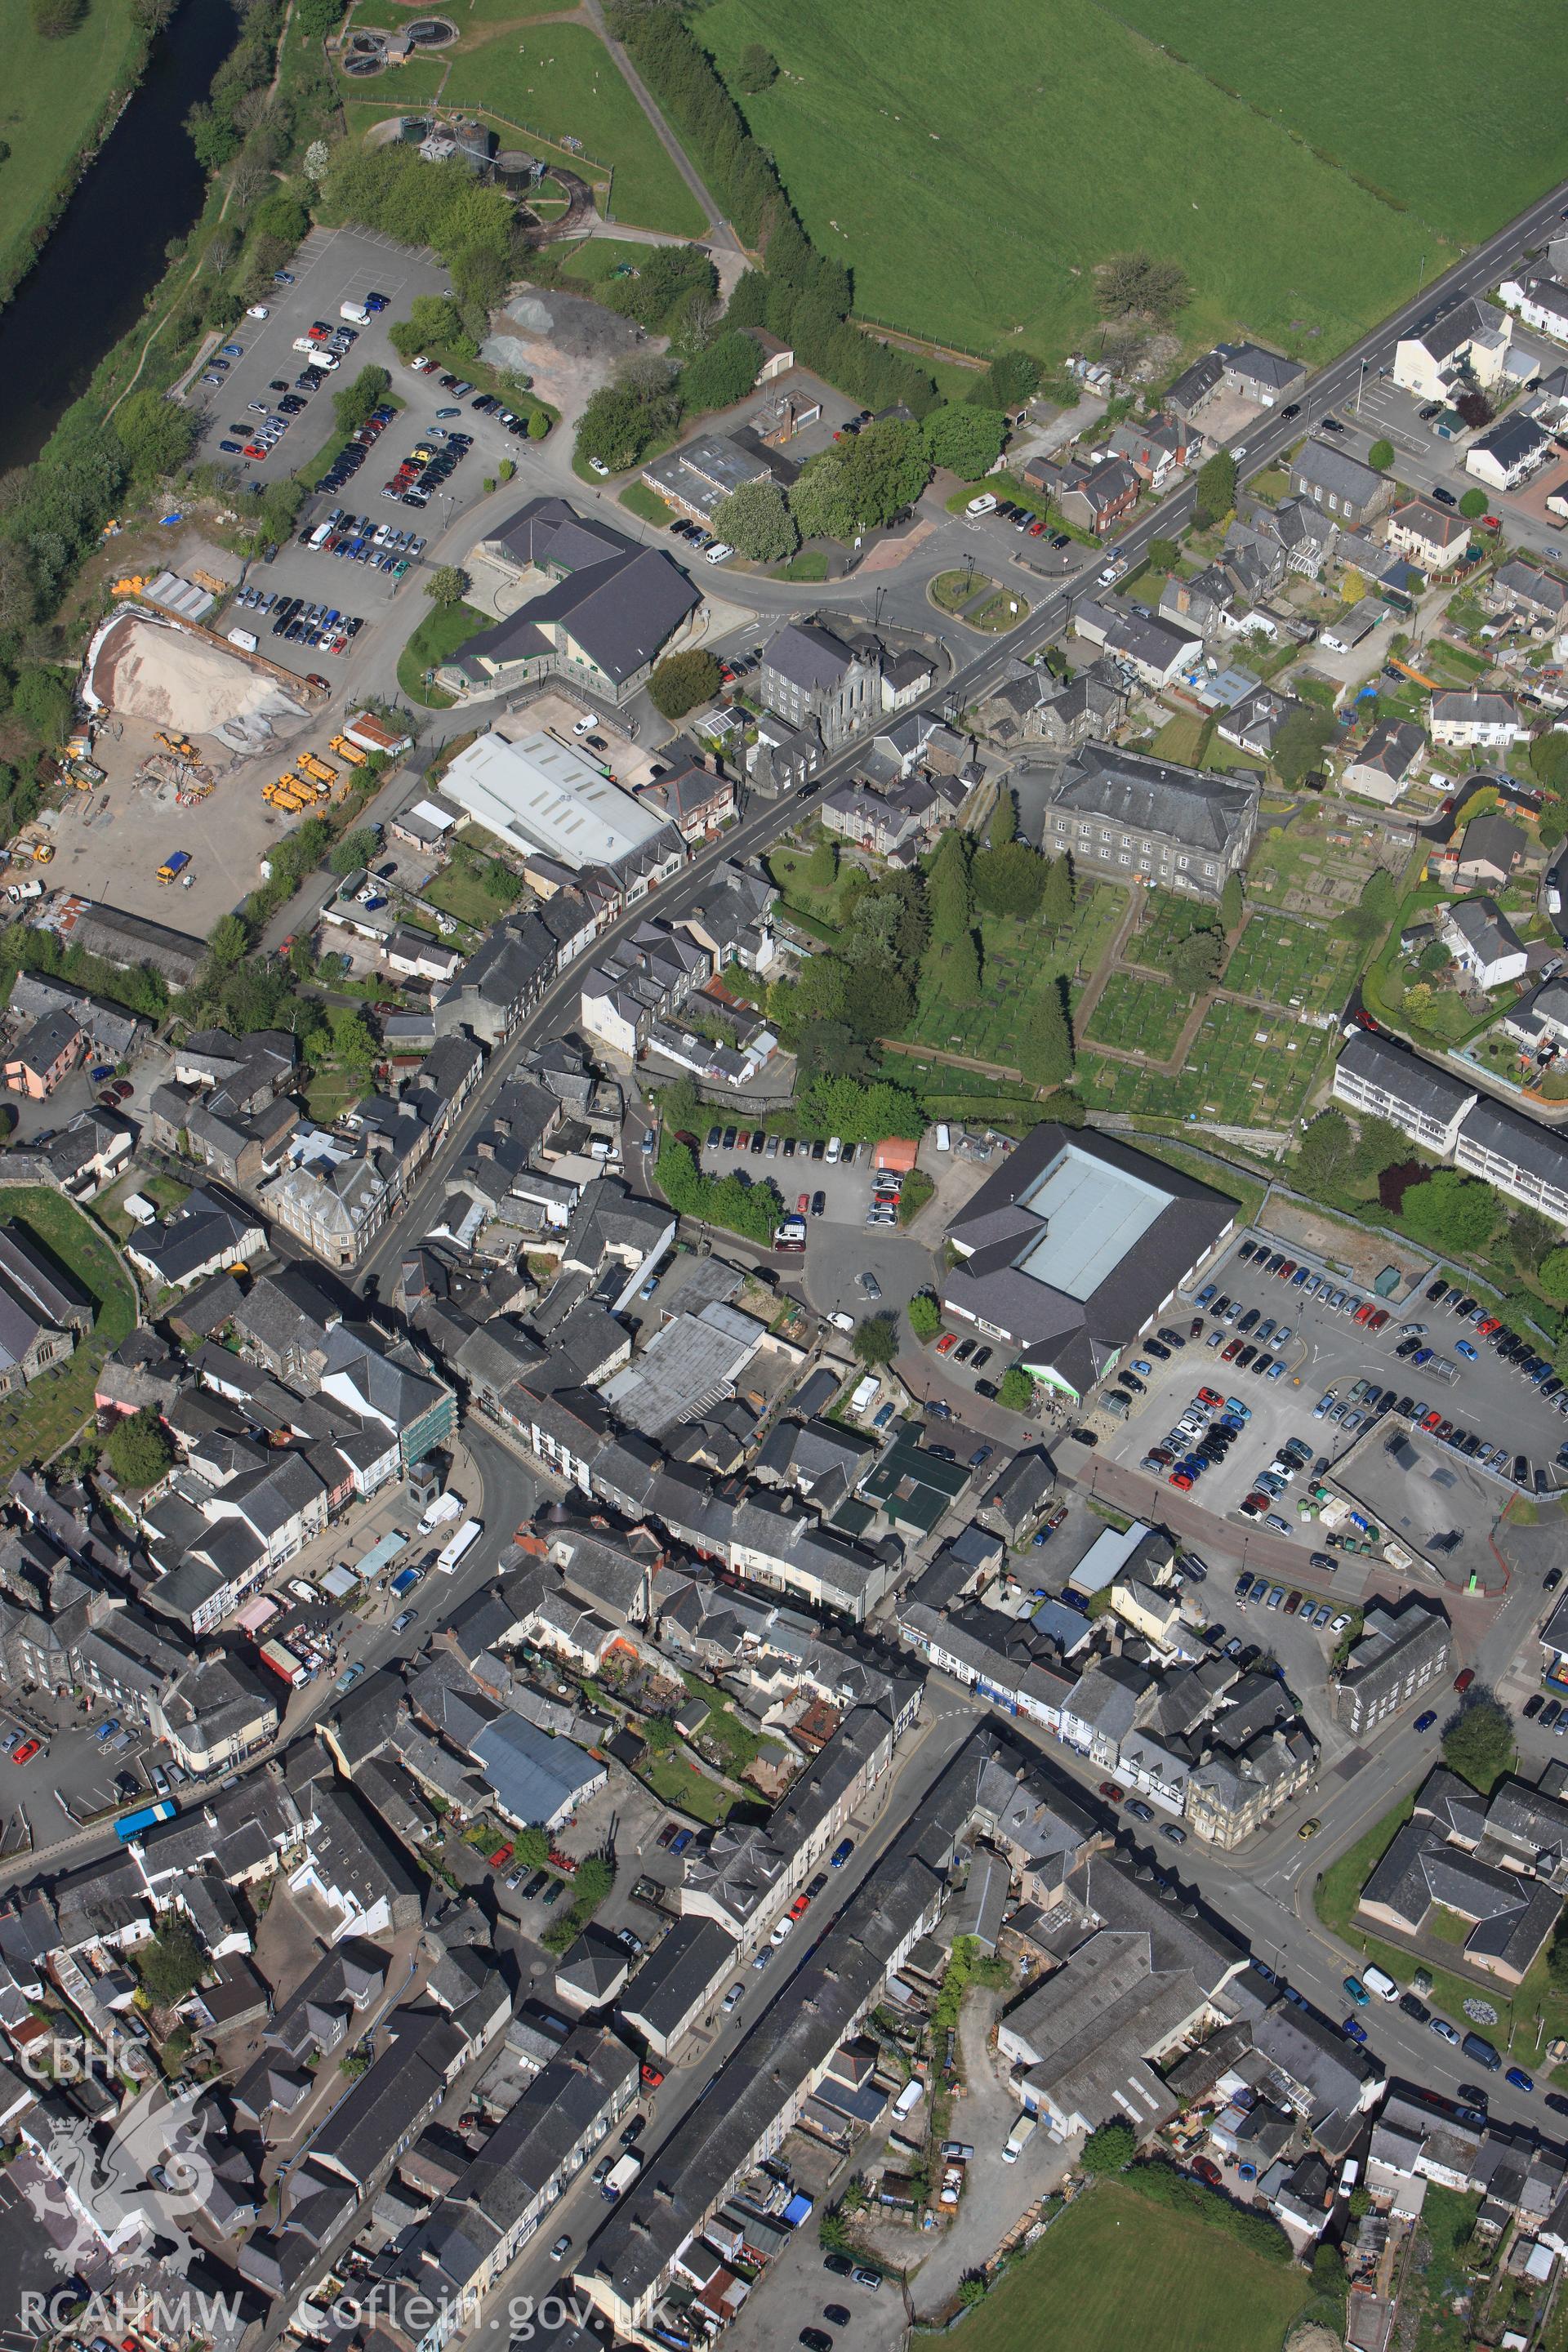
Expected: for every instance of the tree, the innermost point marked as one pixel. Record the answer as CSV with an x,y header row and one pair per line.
x,y
960,975
1008,382
354,404
1450,1212
229,941
822,865
949,900
966,440
660,1734
1299,745
1473,505
1474,409
53,19
1111,2149
1327,1153
1057,898
1010,881
820,498
721,375
1198,959
1215,492
354,850
1553,1276
1015,1392
683,680
448,585
1164,554
532,1847
757,71
42,701
171,1964
156,436
352,1041
538,425
432,322
1557,1957
1134,286
1045,1047
1232,905
1002,826
139,1452
1478,1744
757,522
591,1885
925,1316
1381,454
876,1341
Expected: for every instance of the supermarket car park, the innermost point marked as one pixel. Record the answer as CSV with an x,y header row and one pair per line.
x,y
1300,1366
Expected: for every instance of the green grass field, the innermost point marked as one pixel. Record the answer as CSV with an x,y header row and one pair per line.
x,y
562,81
972,182
1114,2271
444,629
60,87
1465,148
1290,963
1244,1068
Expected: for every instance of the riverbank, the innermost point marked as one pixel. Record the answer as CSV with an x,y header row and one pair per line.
x,y
72,91
140,190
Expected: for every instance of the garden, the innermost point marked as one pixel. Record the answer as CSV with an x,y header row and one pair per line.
x,y
1115,2270
475,889
40,1419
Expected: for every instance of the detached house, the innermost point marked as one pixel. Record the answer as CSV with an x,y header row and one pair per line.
x,y
1468,345
1509,451
1482,942
1382,767
1332,479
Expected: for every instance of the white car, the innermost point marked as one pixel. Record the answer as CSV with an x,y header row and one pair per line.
x,y
581,726
786,1927
598,466
1238,455
259,310
720,553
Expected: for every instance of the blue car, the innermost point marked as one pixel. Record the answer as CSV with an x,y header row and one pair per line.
x,y
1464,1347
1302,1273
1276,1372
1354,2029
1357,1992
1520,2079
1424,1722
230,448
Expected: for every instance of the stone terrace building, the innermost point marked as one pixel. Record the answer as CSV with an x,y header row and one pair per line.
x,y
1134,818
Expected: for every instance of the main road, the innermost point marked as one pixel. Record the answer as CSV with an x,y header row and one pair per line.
x,y
1272,432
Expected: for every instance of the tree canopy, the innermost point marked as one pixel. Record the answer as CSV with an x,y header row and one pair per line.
x,y
139,1452
1478,1744
965,439
683,680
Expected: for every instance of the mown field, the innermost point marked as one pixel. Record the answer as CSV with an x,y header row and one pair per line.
x,y
973,176
1116,2272
57,91
1457,116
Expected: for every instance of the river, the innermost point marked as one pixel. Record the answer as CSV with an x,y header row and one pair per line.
x,y
88,285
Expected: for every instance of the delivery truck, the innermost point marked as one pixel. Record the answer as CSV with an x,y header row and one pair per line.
x,y
175,864
445,1507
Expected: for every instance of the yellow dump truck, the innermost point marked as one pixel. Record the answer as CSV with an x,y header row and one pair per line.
x,y
347,751
179,745
283,795
321,769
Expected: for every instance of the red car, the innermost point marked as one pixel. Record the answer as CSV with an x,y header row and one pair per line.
x,y
27,1750
1180,1479
1229,1352
1461,1684
500,1857
803,1202
1036,528
1210,1396
1287,1269
652,2076
1110,1792
1376,1322
1488,1324
800,1907
1207,2171
948,1341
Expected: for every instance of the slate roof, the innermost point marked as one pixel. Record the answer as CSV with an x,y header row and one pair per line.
x,y
1130,789
809,655
620,601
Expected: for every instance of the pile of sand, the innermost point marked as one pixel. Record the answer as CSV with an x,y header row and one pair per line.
x,y
579,330
191,688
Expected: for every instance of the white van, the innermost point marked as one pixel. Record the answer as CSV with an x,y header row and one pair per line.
x,y
908,2098
321,535
355,312
1379,1982
943,1136
246,639
1018,2139
984,504
835,1151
